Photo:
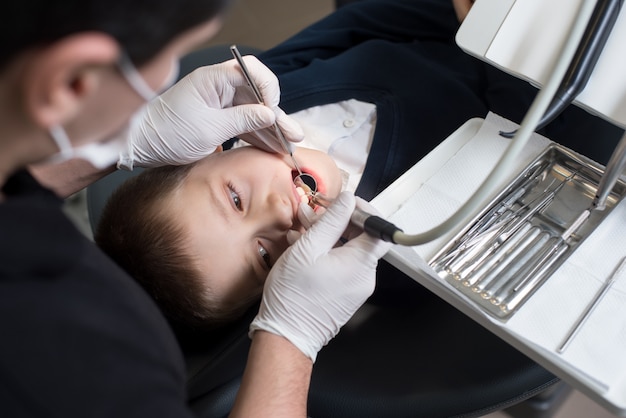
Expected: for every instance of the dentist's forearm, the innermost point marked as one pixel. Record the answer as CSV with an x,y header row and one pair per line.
x,y
69,177
276,380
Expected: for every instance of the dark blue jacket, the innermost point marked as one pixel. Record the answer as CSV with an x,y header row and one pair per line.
x,y
401,56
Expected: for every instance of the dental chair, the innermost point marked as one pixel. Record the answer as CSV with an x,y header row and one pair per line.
x,y
406,353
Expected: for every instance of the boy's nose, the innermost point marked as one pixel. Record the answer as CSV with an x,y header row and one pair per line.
x,y
279,212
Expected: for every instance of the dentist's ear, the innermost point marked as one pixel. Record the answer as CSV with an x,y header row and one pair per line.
x,y
218,150
60,77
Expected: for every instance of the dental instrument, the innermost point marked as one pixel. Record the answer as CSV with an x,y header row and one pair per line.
x,y
307,179
613,170
503,256
514,263
592,305
514,292
515,299
491,223
499,266
501,286
371,224
502,211
503,233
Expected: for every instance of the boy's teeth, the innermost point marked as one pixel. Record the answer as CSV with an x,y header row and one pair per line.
x,y
306,188
300,183
304,196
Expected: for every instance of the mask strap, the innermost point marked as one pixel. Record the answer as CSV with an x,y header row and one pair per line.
x,y
132,76
60,138
171,77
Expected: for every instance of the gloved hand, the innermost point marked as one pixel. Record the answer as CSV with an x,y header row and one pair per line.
x,y
203,110
307,217
314,288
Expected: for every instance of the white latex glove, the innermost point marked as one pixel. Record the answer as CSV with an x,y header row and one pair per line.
x,y
314,288
203,110
307,217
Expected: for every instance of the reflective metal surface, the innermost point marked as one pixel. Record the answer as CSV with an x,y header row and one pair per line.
x,y
516,243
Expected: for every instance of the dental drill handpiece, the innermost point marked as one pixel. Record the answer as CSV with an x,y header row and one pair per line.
x,y
372,224
612,172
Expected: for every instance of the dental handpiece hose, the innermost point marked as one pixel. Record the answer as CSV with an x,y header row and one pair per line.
x,y
371,224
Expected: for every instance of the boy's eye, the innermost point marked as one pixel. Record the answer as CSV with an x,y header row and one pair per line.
x,y
236,199
265,256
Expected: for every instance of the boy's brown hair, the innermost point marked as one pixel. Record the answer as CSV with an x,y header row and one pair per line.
x,y
138,233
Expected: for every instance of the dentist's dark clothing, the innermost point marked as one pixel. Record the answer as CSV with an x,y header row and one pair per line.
x,y
79,337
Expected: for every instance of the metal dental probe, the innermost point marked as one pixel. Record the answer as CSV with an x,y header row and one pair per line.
x,y
506,280
497,213
560,240
475,253
471,272
592,305
515,298
513,225
306,178
533,276
504,258
494,237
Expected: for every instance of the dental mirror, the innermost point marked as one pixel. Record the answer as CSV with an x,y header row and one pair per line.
x,y
307,182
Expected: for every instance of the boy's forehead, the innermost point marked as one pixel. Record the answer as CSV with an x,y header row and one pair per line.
x,y
243,155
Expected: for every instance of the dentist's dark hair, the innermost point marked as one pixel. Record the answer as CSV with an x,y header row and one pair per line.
x,y
142,27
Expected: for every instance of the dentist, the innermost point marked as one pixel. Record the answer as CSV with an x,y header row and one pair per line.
x,y
80,338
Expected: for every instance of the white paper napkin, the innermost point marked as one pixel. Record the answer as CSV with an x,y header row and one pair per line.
x,y
459,177
599,348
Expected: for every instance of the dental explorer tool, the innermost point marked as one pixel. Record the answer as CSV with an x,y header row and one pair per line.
x,y
473,270
372,224
553,248
459,266
510,303
499,216
306,178
598,297
506,280
501,259
498,212
534,276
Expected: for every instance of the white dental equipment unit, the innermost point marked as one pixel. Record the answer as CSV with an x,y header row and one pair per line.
x,y
532,263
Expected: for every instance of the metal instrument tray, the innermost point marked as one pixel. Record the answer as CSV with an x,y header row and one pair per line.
x,y
526,232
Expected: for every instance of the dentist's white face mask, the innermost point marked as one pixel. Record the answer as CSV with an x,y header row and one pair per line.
x,y
103,154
